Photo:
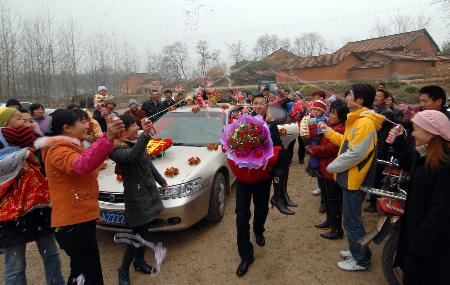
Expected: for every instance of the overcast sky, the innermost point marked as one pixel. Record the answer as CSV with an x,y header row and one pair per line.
x,y
156,23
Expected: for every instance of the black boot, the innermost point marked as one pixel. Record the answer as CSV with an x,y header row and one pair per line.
x,y
278,198
335,233
324,225
127,259
139,263
286,195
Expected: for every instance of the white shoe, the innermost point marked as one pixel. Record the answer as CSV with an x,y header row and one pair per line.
x,y
316,192
350,265
346,254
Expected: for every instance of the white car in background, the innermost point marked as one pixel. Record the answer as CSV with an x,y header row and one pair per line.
x,y
197,192
26,106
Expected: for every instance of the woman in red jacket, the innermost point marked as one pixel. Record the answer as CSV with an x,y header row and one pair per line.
x,y
327,152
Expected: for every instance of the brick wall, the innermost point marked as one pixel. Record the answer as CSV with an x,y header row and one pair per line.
x,y
422,43
440,70
131,84
336,72
409,69
370,73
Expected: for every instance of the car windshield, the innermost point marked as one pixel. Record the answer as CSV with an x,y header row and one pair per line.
x,y
193,129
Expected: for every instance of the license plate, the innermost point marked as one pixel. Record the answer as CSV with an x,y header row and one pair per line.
x,y
112,218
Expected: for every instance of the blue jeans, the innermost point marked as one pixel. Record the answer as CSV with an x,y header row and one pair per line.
x,y
353,225
15,262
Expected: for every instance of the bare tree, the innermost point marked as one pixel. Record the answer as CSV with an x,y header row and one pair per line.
x,y
8,53
400,24
286,44
310,44
237,51
263,46
446,47
205,56
380,29
69,58
176,56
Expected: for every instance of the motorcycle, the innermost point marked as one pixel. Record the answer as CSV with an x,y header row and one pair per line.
x,y
391,203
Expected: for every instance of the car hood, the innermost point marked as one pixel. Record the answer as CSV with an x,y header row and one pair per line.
x,y
176,156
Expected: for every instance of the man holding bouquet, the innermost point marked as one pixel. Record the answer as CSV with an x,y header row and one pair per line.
x,y
260,191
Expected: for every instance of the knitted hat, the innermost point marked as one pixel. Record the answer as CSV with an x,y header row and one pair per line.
x,y
100,88
331,99
299,94
319,104
434,122
133,102
5,114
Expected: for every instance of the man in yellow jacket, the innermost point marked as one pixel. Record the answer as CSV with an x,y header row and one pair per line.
x,y
355,167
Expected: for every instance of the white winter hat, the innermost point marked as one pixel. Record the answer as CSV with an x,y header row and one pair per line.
x,y
100,88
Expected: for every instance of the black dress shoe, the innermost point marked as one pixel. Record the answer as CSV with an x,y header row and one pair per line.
x,y
243,267
142,266
260,240
333,234
324,225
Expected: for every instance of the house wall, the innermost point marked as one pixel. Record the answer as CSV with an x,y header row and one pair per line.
x,y
422,43
370,73
131,84
409,69
440,70
336,72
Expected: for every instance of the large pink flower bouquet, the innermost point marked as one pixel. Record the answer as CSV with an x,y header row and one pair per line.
x,y
247,142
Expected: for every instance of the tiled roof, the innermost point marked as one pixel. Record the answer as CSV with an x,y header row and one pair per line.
x,y
391,42
408,55
320,60
282,53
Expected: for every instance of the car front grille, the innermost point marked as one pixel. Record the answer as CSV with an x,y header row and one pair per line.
x,y
111,197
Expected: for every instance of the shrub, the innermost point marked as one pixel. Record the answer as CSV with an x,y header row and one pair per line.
x,y
411,89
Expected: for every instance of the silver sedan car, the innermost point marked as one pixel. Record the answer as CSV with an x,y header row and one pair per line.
x,y
198,191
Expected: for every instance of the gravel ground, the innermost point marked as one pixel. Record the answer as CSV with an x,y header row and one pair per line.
x,y
207,253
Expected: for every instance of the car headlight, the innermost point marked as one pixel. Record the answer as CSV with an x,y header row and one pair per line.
x,y
182,190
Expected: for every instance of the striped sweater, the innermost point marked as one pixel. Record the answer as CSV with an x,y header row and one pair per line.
x,y
21,136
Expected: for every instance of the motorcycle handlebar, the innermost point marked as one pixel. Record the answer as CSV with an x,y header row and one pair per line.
x,y
387,163
386,194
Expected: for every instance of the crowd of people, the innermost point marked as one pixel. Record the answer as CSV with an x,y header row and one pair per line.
x,y
342,135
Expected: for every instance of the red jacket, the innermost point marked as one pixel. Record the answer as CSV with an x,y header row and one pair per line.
x,y
326,151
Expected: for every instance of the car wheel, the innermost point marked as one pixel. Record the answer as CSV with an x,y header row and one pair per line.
x,y
217,198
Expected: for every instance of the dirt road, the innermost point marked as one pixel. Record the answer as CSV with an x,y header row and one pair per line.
x,y
207,254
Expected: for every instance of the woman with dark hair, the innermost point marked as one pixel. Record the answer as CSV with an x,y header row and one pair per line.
x,y
72,179
44,122
423,249
142,200
398,114
327,152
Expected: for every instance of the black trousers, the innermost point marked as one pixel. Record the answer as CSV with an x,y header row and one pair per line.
x,y
323,190
80,244
334,203
379,176
261,194
301,149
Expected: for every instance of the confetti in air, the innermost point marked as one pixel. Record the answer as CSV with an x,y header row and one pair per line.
x,y
137,241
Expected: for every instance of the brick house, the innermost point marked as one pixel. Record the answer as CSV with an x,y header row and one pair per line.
x,y
139,83
401,56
